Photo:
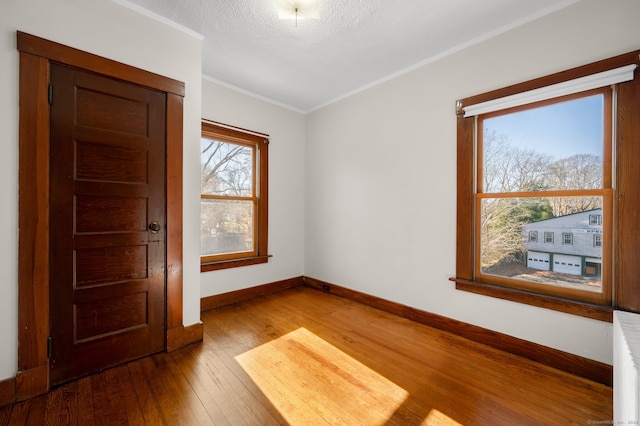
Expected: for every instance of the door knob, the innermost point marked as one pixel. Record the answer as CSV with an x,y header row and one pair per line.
x,y
154,227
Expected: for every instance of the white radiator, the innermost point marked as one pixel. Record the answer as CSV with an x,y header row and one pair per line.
x,y
626,363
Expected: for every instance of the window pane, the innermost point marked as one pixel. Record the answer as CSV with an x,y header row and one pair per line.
x,y
226,226
553,147
567,256
226,168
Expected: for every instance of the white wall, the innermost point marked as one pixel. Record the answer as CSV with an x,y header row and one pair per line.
x,y
381,174
286,185
110,30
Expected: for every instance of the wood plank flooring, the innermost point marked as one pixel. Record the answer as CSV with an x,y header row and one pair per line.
x,y
303,357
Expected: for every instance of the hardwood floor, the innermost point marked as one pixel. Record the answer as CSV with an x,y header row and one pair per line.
x,y
301,356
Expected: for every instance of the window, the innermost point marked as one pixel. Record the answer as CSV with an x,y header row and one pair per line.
x,y
233,200
567,238
597,240
595,219
544,164
540,154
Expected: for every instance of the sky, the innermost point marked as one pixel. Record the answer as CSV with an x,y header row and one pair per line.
x,y
560,130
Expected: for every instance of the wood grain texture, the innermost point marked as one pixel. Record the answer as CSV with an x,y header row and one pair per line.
x,y
7,393
118,164
301,356
106,300
218,300
263,203
33,251
587,310
174,272
32,382
33,220
583,367
464,198
66,55
234,263
181,336
627,294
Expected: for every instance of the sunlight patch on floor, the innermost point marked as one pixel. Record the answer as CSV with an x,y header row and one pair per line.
x,y
310,381
438,418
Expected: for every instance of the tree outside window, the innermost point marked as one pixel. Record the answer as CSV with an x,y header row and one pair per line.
x,y
233,197
540,166
537,184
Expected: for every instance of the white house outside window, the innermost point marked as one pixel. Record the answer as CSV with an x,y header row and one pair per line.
x,y
544,168
519,171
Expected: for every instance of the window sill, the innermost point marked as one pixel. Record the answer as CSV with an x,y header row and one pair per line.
x,y
597,312
233,263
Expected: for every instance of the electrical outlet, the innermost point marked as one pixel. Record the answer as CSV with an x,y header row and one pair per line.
x,y
325,287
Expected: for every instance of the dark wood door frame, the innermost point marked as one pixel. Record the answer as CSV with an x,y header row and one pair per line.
x,y
33,266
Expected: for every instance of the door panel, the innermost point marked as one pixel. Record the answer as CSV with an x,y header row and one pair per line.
x,y
110,162
116,213
109,264
107,284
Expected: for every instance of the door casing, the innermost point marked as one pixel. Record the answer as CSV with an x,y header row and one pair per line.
x,y
33,241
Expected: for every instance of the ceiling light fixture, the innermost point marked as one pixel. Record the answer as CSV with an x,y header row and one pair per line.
x,y
297,9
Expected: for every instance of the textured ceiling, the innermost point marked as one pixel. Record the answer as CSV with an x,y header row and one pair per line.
x,y
353,44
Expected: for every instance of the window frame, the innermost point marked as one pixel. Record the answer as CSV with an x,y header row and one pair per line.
x,y
549,240
567,238
259,143
624,290
597,240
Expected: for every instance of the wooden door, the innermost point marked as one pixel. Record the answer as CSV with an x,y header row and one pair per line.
x,y
107,237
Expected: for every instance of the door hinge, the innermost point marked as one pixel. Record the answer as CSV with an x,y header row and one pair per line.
x,y
50,94
49,348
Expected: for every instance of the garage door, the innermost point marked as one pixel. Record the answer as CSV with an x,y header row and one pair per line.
x,y
537,260
567,264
